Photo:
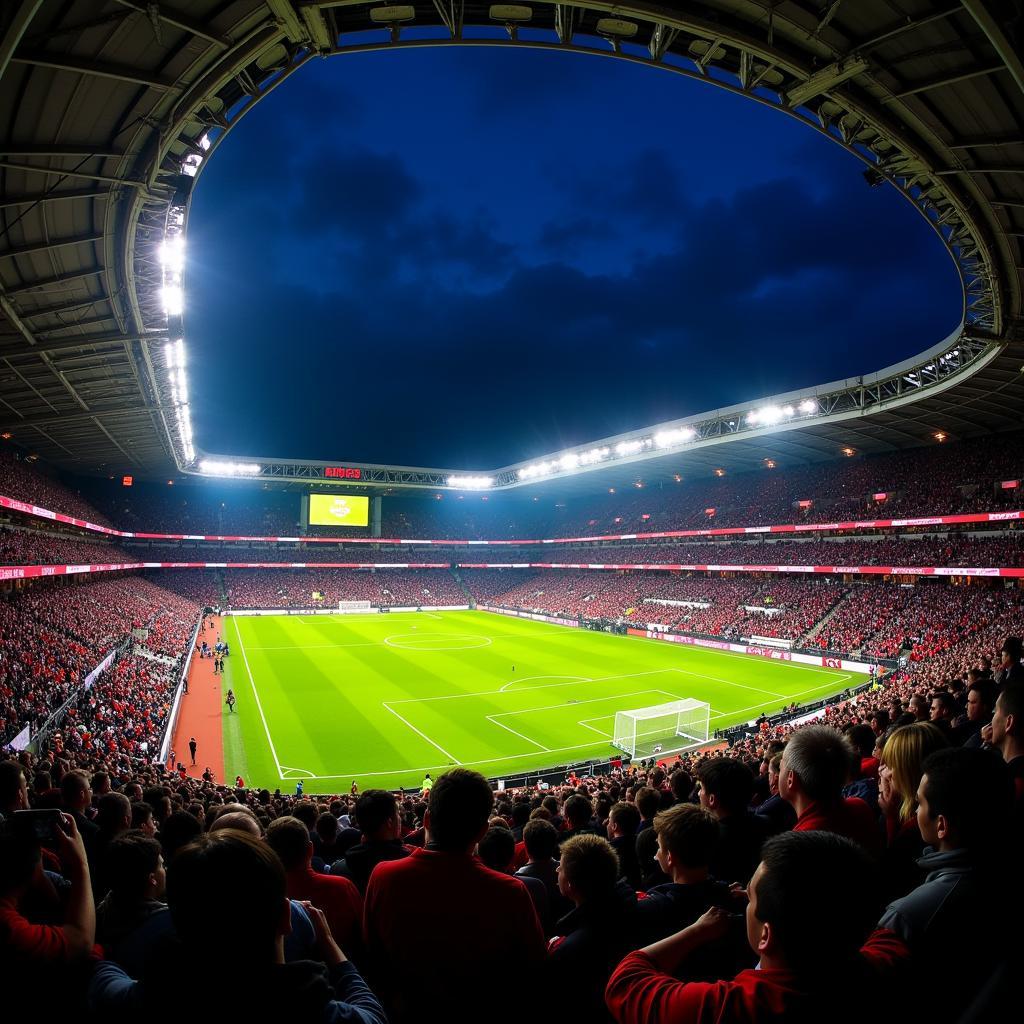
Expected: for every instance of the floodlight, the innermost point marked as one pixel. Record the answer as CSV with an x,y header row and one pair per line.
x,y
570,460
667,438
173,299
788,410
172,253
808,405
470,483
219,467
628,447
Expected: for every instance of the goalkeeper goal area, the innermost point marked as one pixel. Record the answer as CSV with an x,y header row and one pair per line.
x,y
662,729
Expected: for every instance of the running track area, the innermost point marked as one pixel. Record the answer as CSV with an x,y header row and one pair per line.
x,y
200,714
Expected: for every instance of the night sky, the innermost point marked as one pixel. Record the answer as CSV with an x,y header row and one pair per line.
x,y
465,257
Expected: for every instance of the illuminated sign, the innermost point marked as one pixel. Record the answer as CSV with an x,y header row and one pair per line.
x,y
127,481
343,472
1009,485
338,510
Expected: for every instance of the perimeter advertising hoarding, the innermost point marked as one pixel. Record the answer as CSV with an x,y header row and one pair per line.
x,y
339,510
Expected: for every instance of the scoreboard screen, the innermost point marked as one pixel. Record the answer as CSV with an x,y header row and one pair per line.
x,y
339,510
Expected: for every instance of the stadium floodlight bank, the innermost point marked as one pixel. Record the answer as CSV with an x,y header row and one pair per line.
x,y
663,728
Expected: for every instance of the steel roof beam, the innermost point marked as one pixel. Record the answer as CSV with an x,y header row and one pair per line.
x,y
23,16
943,80
1009,53
59,243
71,344
17,165
101,69
56,281
35,198
38,149
182,21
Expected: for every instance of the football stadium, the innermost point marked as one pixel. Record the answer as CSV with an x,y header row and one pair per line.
x,y
624,618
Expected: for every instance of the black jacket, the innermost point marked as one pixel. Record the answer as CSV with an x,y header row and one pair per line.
x,y
360,860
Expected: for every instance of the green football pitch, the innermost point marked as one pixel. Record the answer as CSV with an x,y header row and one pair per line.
x,y
383,699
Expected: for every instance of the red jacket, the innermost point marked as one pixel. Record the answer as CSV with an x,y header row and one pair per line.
x,y
640,993
337,897
442,923
851,817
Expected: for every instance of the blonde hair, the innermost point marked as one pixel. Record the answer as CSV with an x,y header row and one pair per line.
x,y
905,752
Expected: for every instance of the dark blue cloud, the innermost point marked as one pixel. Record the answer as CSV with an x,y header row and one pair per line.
x,y
421,273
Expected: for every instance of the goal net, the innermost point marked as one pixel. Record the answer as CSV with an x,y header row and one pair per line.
x,y
662,729
354,606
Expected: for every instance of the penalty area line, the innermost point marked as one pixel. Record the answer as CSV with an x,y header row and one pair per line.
x,y
423,735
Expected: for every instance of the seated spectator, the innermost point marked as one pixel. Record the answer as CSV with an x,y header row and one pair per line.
x,y
13,789
815,766
810,925
541,842
142,819
43,958
444,896
579,818
496,851
648,803
132,921
1007,735
227,892
943,711
623,820
981,702
178,830
898,780
1011,667
337,897
775,809
687,838
726,787
963,807
593,937
380,821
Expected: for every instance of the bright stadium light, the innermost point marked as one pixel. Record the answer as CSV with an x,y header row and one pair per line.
x,y
668,438
471,483
570,460
218,467
628,447
172,254
788,410
173,299
808,405
593,456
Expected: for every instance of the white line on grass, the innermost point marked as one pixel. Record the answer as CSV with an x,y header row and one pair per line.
x,y
526,679
418,733
255,693
494,719
600,732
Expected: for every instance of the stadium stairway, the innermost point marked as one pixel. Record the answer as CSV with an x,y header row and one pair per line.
x,y
809,636
470,599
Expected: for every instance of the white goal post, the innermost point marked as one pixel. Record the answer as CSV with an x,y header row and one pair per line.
x,y
354,606
662,729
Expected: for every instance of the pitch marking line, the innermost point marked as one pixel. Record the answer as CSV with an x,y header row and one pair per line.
x,y
438,746
287,773
526,679
259,705
540,746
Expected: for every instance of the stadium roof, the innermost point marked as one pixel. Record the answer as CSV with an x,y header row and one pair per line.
x,y
110,107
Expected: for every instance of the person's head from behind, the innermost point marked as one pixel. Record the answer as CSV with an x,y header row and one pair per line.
x,y
541,840
902,759
964,800
497,849
226,892
178,830
578,811
807,909
327,827
289,839
588,870
726,786
1011,652
815,765
377,815
458,810
681,785
623,820
114,813
648,802
135,868
862,737
880,722
687,837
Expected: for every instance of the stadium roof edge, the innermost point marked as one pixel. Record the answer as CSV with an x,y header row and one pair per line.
x,y
926,101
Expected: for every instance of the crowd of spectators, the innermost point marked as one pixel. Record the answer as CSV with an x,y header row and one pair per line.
x,y
52,637
941,479
837,869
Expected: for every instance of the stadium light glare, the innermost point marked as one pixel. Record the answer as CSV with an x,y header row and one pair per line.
x,y
220,467
570,460
628,447
173,299
172,254
668,438
468,482
788,410
808,405
169,356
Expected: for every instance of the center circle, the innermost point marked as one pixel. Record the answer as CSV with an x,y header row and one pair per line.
x,y
437,641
